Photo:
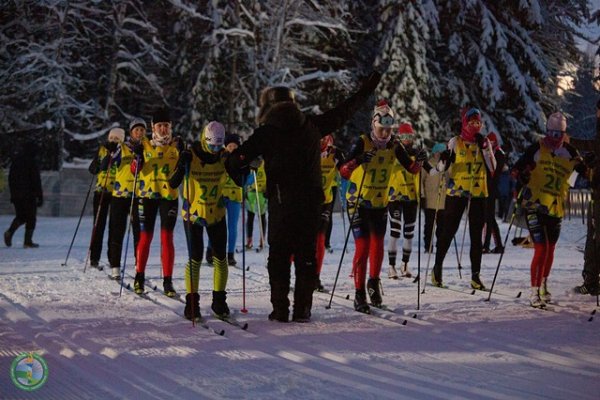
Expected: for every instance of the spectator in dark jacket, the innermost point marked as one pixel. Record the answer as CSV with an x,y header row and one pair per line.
x,y
25,193
289,142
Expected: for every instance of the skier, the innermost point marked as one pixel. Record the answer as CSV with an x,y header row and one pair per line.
x,y
204,207
403,204
470,157
256,202
105,180
368,167
433,189
491,226
289,142
544,171
334,196
122,195
155,160
331,159
26,193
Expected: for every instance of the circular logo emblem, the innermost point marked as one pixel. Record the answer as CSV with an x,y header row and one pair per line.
x,y
29,371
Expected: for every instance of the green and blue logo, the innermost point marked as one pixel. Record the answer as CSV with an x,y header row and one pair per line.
x,y
29,371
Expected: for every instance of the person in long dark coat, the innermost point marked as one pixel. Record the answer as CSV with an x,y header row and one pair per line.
x,y
25,193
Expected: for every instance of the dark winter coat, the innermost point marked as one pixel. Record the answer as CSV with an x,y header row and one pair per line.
x,y
289,142
24,178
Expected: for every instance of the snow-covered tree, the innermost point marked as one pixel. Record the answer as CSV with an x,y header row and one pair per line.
x,y
406,29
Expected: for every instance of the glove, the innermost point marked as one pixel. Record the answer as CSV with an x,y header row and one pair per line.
x,y
39,201
371,82
365,157
524,177
138,150
590,159
111,146
480,139
421,156
179,143
255,164
185,157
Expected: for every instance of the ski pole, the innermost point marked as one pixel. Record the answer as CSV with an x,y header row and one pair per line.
x,y
188,237
259,215
97,217
362,180
244,310
457,258
342,209
437,207
419,208
87,196
135,179
512,220
462,245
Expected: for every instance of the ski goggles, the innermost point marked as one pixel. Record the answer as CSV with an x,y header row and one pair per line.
x,y
214,147
554,133
385,121
406,137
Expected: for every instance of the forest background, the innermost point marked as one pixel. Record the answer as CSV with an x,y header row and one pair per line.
x,y
71,70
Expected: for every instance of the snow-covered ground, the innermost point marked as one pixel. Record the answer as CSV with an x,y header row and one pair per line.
x,y
102,346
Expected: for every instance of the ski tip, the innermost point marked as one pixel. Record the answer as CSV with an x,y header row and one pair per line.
x,y
594,312
404,322
247,268
518,295
245,326
221,332
473,292
590,319
347,297
414,315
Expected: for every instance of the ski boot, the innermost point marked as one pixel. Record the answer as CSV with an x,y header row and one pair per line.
x,y
279,315
545,295
498,249
374,291
360,302
219,306
138,283
8,238
96,264
209,256
319,286
476,282
230,260
534,298
302,316
115,273
435,282
404,271
192,307
28,243
169,290
392,273
587,289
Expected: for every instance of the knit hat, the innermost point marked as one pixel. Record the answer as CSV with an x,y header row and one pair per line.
x,y
161,115
556,122
232,138
116,135
405,128
213,137
438,148
137,122
383,116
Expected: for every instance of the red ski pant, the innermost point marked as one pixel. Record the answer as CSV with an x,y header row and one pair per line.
x,y
544,231
368,228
